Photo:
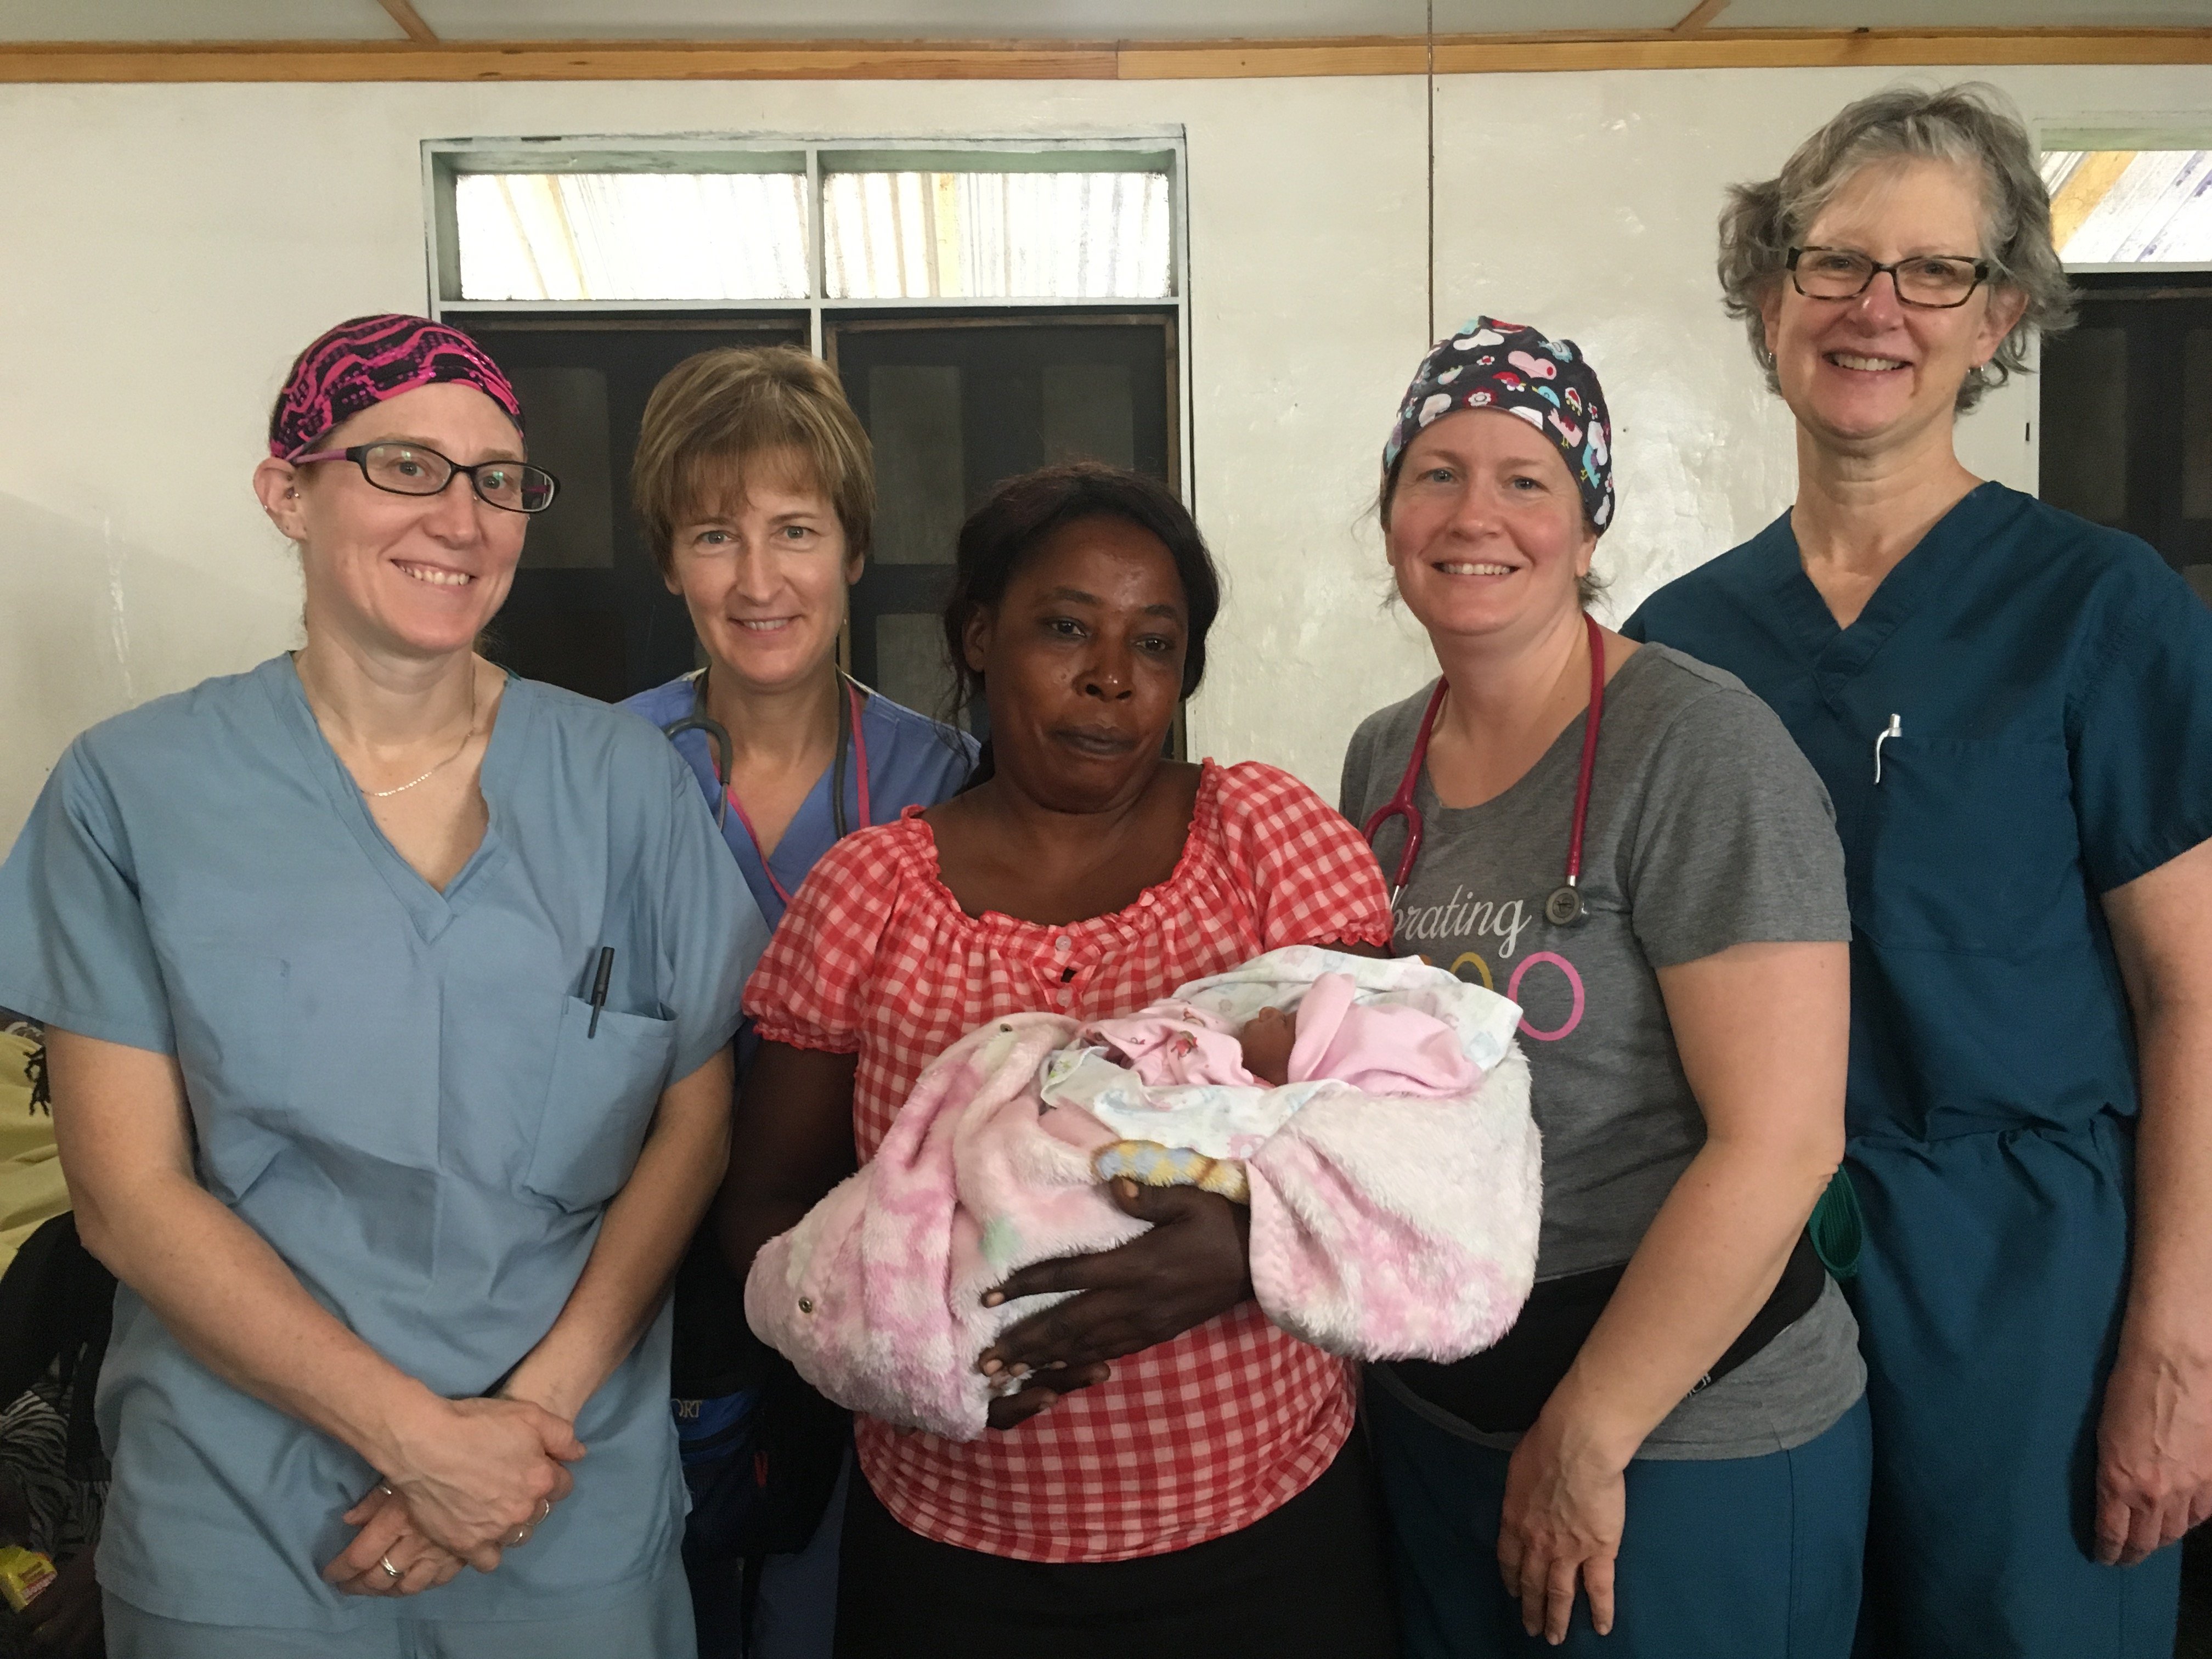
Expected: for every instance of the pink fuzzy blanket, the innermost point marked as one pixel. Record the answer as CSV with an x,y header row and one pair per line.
x,y
1382,1227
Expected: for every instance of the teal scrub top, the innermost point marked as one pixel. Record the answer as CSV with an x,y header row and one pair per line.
x,y
396,1088
2051,683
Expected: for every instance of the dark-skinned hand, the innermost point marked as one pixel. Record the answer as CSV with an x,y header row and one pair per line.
x,y
1191,1267
64,1618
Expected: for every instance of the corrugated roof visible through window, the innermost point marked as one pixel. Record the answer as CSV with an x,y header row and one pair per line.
x,y
996,236
632,235
2113,206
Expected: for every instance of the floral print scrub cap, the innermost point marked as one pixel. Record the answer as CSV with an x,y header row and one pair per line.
x,y
367,359
1547,383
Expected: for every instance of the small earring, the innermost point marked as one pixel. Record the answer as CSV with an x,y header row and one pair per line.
x,y
291,494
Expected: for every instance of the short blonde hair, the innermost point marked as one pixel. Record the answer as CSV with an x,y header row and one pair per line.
x,y
712,414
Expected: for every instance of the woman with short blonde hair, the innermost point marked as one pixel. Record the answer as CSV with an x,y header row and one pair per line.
x,y
756,487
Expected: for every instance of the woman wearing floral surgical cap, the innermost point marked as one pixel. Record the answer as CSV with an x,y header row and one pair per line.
x,y
388,1000
1667,1455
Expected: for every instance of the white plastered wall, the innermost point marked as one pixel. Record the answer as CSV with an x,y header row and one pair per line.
x,y
166,250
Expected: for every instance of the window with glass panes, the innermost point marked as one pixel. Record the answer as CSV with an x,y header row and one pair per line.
x,y
990,308
2126,394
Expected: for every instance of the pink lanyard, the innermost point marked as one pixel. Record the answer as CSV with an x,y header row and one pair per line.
x,y
836,785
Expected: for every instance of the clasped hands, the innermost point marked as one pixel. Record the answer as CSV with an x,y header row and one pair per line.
x,y
476,1478
1191,1265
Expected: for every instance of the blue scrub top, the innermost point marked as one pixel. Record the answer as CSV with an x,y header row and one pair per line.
x,y
395,1087
2053,681
913,761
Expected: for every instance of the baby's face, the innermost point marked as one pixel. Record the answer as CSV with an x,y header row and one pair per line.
x,y
1267,1038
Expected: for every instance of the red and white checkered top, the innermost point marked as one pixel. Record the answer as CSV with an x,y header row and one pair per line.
x,y
1201,1435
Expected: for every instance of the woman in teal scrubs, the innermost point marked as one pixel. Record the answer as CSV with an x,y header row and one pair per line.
x,y
2012,710
389,1001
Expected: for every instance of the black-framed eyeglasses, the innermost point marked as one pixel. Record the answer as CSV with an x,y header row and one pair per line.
x,y
1933,281
413,469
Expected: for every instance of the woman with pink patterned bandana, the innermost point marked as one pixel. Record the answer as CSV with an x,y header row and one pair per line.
x,y
389,1000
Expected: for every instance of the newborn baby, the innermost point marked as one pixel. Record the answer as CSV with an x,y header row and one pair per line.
x,y
1380,1228
1265,1042
1208,1092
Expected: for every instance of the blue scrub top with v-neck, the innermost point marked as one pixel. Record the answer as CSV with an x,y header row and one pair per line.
x,y
913,761
2050,686
397,1087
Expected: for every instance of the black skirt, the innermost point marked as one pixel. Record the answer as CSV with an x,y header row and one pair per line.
x,y
1311,1578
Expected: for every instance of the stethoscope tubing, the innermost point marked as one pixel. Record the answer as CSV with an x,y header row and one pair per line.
x,y
1402,804
851,748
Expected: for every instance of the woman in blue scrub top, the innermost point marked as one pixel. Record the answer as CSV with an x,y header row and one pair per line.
x,y
753,482
2012,709
389,1000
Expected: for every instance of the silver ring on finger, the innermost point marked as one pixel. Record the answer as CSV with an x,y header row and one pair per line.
x,y
544,1513
395,1574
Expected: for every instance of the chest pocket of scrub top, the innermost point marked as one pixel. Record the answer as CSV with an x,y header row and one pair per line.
x,y
1970,845
598,1103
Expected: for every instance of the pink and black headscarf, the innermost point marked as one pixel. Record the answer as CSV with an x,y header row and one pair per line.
x,y
1547,383
368,359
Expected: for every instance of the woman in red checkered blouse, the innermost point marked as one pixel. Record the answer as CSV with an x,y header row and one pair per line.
x,y
1175,1469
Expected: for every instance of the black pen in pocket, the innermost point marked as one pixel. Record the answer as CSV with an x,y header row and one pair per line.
x,y
600,987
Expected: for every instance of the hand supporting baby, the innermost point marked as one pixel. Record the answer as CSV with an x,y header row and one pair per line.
x,y
1192,1266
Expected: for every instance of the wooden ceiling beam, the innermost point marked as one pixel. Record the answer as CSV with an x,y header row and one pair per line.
x,y
1063,60
411,21
1700,16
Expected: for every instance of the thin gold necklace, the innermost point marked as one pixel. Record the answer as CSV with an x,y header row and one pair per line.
x,y
467,738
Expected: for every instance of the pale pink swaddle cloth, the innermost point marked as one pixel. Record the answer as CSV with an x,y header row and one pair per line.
x,y
1378,1049
1171,1043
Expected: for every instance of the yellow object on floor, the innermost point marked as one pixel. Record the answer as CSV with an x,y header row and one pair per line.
x,y
23,1574
31,1186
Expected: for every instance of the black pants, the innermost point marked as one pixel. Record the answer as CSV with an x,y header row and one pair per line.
x,y
1311,1578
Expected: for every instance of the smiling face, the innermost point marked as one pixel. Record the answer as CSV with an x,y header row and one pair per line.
x,y
1486,533
406,575
1873,372
765,574
1083,664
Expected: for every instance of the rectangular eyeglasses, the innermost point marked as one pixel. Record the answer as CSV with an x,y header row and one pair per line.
x,y
415,469
1933,281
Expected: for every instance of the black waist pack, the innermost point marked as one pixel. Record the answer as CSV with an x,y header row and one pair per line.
x,y
1502,1389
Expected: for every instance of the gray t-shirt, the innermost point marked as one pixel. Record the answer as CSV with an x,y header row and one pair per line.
x,y
1707,829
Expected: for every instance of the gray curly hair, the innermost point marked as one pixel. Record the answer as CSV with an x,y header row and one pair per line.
x,y
1972,125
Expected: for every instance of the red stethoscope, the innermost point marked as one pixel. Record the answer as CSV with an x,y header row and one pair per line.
x,y
1565,906
852,741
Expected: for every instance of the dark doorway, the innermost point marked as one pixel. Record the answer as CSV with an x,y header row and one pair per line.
x,y
2127,413
589,610
954,405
